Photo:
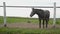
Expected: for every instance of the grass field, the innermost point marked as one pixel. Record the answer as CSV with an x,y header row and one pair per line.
x,y
6,30
28,31
22,19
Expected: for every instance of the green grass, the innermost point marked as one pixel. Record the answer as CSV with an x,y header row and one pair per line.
x,y
18,20
6,30
28,31
25,20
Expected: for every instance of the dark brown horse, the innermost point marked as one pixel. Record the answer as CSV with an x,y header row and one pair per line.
x,y
42,14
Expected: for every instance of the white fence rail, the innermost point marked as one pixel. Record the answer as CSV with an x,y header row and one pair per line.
x,y
32,6
54,20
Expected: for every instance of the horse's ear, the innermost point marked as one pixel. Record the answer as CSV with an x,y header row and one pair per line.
x,y
32,8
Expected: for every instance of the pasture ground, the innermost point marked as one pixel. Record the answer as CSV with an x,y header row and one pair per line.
x,y
8,30
28,25
22,26
28,28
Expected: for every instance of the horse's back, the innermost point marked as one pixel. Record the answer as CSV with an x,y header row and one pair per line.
x,y
46,14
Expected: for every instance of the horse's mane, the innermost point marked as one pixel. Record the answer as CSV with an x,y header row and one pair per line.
x,y
39,9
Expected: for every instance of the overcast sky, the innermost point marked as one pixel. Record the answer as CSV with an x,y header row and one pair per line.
x,y
25,12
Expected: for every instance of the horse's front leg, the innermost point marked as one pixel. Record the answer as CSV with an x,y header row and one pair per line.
x,y
39,23
43,23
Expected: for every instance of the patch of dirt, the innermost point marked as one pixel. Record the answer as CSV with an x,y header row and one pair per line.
x,y
26,25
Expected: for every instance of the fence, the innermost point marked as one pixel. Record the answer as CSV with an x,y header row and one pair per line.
x,y
54,20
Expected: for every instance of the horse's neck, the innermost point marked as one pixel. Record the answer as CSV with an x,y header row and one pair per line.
x,y
40,14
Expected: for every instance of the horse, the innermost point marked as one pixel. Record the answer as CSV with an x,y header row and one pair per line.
x,y
42,14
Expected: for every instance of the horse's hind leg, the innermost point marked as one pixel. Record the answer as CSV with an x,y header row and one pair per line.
x,y
46,23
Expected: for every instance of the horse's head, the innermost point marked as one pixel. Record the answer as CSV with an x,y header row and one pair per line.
x,y
36,11
33,12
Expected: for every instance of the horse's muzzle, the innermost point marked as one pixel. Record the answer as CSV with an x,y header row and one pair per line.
x,y
30,15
